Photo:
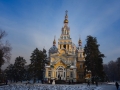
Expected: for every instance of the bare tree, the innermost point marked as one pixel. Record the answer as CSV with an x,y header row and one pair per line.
x,y
5,49
118,68
112,70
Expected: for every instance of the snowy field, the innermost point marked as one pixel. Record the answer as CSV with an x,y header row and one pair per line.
x,y
47,87
113,83
38,86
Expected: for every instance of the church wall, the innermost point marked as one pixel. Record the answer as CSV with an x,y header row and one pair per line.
x,y
80,71
66,52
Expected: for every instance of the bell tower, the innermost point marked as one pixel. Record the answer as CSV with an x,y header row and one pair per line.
x,y
65,42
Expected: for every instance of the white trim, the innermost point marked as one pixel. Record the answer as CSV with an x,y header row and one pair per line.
x,y
47,66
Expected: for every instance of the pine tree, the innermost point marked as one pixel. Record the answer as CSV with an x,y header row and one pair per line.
x,y
19,68
94,58
10,72
37,66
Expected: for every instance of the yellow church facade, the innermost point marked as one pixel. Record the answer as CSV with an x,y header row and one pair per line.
x,y
66,61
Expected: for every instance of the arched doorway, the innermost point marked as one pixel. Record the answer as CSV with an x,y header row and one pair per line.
x,y
61,73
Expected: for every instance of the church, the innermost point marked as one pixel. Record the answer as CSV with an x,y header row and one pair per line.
x,y
66,61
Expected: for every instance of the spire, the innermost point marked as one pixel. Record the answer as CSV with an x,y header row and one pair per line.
x,y
66,17
80,42
54,42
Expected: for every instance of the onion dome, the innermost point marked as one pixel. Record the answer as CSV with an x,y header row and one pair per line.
x,y
65,21
53,49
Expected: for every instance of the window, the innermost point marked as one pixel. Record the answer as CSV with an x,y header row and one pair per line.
x,y
64,37
81,66
81,76
56,74
72,63
80,54
71,74
49,73
64,46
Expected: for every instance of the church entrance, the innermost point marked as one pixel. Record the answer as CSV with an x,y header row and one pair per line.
x,y
61,73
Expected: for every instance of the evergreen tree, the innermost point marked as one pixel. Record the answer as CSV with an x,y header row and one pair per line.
x,y
94,58
10,72
37,66
19,69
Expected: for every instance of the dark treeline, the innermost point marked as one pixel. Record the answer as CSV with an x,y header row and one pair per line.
x,y
19,71
34,71
112,70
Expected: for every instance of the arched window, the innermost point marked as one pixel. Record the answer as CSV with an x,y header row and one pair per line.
x,y
80,54
64,37
49,73
60,69
64,46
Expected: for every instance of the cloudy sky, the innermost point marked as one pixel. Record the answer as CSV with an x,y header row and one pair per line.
x,y
34,23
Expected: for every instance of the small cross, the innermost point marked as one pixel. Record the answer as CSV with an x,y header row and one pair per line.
x,y
66,11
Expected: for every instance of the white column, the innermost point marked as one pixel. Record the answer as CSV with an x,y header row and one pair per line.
x,y
52,73
46,72
75,74
75,62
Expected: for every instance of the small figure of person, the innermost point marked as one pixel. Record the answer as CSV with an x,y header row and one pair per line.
x,y
49,81
72,81
96,83
117,85
58,76
42,81
6,81
69,82
88,83
53,82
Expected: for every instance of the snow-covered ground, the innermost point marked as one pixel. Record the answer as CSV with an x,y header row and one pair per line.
x,y
47,87
38,86
113,83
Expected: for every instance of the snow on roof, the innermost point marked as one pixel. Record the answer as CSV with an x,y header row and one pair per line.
x,y
47,66
72,67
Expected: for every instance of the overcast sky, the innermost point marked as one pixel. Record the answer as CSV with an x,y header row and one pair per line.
x,y
34,23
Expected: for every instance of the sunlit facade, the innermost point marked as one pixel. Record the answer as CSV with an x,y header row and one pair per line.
x,y
66,61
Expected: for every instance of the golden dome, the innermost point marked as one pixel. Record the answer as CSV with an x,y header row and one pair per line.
x,y
65,21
